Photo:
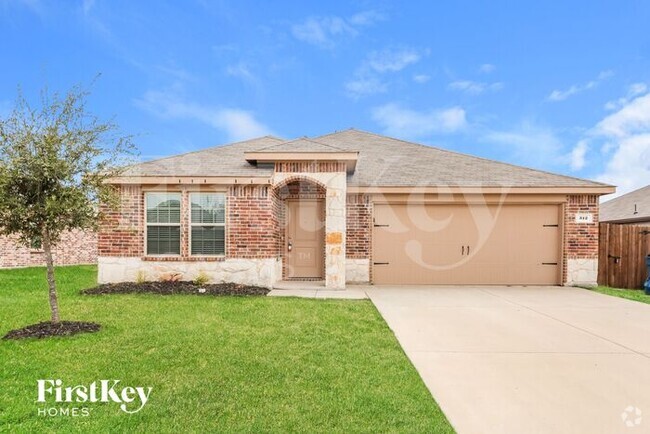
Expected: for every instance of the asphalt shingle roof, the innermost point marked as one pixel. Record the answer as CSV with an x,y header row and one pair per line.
x,y
624,207
382,161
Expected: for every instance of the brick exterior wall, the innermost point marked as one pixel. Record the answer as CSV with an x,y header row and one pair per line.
x,y
75,247
252,225
359,226
580,239
255,226
310,166
121,232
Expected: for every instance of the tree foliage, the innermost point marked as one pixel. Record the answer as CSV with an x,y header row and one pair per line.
x,y
55,159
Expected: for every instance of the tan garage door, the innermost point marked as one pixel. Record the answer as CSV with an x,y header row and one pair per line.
x,y
466,244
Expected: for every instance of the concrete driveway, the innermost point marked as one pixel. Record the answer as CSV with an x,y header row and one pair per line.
x,y
526,359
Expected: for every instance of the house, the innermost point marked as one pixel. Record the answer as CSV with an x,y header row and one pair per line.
x,y
75,247
349,207
631,208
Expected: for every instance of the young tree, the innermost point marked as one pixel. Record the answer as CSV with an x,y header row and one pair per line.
x,y
54,161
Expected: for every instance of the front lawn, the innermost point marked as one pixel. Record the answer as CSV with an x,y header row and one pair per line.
x,y
630,294
226,364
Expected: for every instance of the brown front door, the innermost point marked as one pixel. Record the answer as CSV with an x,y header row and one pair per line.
x,y
305,239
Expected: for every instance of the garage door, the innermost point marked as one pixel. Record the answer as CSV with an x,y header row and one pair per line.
x,y
466,244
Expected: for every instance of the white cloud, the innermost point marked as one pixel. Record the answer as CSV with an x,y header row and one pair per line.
x,y
366,18
632,118
624,137
363,86
421,78
577,156
404,122
242,71
392,59
632,91
368,80
487,68
238,124
474,87
561,95
529,144
325,31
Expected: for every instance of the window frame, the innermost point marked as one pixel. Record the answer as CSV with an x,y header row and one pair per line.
x,y
179,225
191,224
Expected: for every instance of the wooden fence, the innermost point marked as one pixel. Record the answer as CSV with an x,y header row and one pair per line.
x,y
621,256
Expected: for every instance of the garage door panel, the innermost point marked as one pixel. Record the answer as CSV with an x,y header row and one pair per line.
x,y
427,244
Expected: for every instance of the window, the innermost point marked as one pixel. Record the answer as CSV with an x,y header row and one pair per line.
x,y
207,224
163,223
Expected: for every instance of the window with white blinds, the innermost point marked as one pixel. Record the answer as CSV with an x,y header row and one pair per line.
x,y
208,224
163,217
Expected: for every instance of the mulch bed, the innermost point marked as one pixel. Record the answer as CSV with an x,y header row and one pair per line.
x,y
178,287
47,329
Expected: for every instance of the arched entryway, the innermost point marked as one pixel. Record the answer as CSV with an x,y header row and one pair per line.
x,y
302,226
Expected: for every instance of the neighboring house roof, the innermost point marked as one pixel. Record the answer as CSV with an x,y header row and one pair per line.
x,y
382,161
630,207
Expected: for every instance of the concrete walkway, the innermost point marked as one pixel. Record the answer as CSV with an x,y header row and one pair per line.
x,y
526,360
317,290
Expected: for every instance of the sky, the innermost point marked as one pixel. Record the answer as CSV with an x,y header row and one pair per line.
x,y
553,85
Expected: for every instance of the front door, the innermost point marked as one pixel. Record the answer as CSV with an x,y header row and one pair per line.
x,y
305,239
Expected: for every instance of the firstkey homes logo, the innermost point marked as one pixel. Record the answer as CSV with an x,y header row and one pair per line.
x,y
130,399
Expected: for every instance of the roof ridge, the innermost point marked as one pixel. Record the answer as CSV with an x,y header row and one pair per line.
x,y
308,139
204,149
468,155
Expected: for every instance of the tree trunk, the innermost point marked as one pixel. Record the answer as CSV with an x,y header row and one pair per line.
x,y
47,249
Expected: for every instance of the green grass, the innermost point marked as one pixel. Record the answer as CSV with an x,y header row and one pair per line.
x,y
630,294
223,364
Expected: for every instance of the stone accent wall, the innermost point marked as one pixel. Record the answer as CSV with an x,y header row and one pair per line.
x,y
259,272
75,247
121,232
580,265
252,225
357,270
359,226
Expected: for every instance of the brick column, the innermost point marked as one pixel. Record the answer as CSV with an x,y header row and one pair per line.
x,y
581,240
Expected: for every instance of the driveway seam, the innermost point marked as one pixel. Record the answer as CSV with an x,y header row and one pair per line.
x,y
564,322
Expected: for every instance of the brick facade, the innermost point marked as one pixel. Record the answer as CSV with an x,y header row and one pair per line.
x,y
251,225
121,231
359,226
255,225
580,239
75,247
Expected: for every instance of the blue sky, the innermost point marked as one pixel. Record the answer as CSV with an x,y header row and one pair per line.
x,y
556,85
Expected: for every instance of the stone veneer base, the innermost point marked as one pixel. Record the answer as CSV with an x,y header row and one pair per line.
x,y
357,270
260,272
582,272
